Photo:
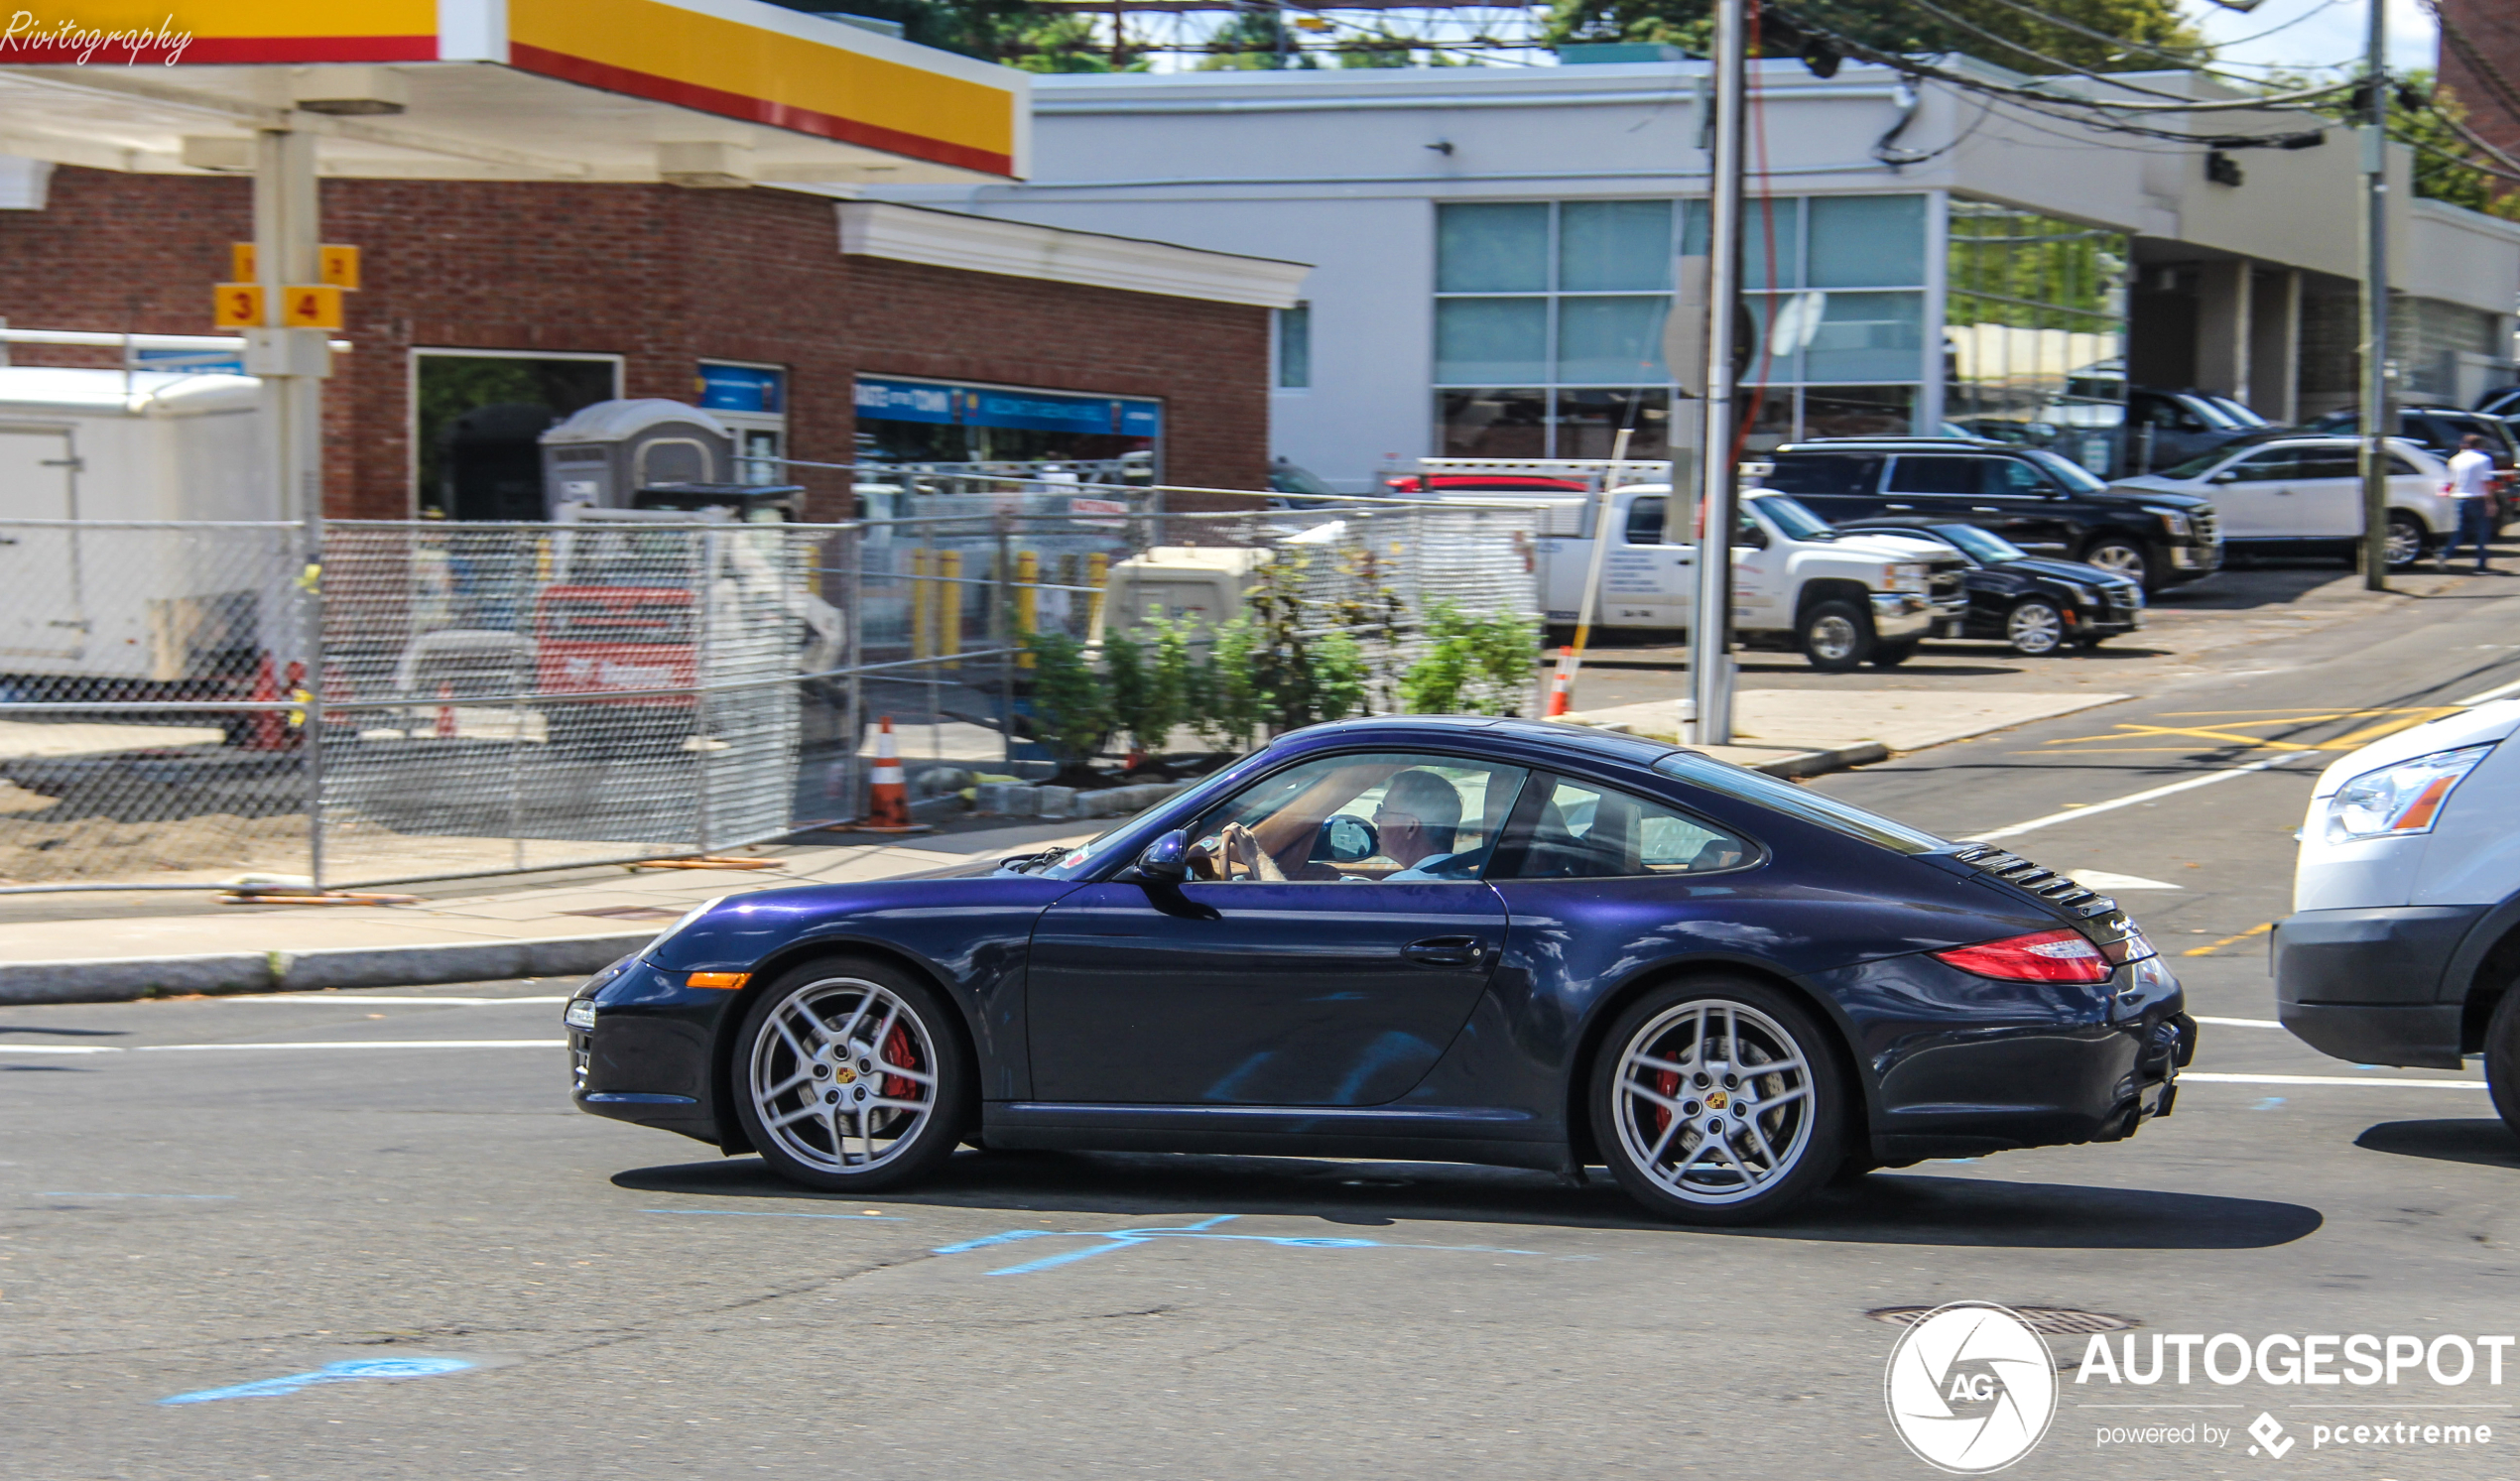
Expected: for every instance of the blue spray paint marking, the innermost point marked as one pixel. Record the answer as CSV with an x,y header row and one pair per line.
x,y
1124,1239
352,1371
2268,1104
748,1214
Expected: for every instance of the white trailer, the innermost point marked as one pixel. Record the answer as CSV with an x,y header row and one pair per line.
x,y
96,599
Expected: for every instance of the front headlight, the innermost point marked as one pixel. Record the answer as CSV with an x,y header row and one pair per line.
x,y
581,1015
2173,522
1909,575
2399,799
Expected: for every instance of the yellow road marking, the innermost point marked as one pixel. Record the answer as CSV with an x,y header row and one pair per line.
x,y
2232,732
2212,946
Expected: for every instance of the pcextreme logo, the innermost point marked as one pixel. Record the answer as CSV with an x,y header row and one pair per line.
x,y
1971,1388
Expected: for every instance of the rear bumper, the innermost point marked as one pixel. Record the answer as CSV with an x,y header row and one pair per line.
x,y
2367,985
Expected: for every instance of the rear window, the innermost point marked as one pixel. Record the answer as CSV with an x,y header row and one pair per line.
x,y
1645,522
1818,809
1824,474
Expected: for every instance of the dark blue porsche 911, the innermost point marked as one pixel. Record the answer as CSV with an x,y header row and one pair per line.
x,y
1443,939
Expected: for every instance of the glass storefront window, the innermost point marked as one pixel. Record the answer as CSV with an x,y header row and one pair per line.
x,y
1492,249
1613,340
1493,423
1491,340
1868,241
1866,337
1610,246
1858,411
2033,331
1588,422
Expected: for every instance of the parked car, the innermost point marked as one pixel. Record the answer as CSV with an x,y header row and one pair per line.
x,y
2406,905
1461,940
2045,504
2166,426
2503,401
2303,495
2039,606
2439,429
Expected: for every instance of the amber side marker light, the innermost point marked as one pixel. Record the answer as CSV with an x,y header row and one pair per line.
x,y
725,981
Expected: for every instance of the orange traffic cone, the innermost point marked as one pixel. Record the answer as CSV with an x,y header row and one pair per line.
x,y
446,714
886,804
1561,682
266,730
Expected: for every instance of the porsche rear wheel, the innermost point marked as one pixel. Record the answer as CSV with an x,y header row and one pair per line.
x,y
1717,1101
852,1077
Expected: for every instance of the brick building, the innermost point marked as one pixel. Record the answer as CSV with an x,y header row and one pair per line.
x,y
651,282
2480,63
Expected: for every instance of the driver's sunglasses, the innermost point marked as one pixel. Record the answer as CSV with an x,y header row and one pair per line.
x,y
1384,817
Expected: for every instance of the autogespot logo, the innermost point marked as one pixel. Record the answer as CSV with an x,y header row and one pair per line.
x,y
1971,1388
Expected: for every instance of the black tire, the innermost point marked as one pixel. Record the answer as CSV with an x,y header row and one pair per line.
x,y
2124,555
2035,627
1892,655
2408,541
1646,1102
921,1035
2502,1056
1835,637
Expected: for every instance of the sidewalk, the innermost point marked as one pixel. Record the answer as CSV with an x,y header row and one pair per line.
x,y
570,924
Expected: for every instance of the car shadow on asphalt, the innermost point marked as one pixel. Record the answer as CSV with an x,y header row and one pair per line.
x,y
2486,1143
1906,1209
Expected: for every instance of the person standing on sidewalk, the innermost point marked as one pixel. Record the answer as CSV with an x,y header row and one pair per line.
x,y
2470,487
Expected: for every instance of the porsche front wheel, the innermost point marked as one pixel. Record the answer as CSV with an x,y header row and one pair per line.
x,y
852,1077
1717,1101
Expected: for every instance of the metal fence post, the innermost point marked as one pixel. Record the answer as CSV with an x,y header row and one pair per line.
x,y
704,586
999,576
310,603
853,723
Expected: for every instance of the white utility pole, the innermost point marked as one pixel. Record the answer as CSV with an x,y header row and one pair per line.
x,y
2379,413
1710,629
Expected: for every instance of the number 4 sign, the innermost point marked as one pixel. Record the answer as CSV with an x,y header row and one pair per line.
x,y
311,306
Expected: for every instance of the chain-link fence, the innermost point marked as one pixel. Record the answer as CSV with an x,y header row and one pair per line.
x,y
182,704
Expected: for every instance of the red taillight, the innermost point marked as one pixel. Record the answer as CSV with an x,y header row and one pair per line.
x,y
2042,957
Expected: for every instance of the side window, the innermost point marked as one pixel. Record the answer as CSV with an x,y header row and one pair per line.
x,y
1645,522
1910,475
2329,462
1824,473
2011,478
2399,467
2270,466
1580,830
1360,818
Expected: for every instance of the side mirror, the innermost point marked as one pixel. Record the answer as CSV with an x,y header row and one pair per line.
x,y
1165,860
1346,839
2225,476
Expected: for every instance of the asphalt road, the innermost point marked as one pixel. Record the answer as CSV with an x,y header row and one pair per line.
x,y
197,1196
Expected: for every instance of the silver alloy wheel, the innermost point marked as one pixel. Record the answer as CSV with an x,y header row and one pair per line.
x,y
844,1074
1833,638
2119,560
2403,544
2035,628
1713,1101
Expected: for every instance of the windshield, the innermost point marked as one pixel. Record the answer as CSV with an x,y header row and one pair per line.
x,y
1791,517
2238,412
2067,472
2196,467
1986,545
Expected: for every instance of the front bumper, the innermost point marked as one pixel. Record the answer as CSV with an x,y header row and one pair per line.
x,y
1899,615
2190,562
648,1058
2368,984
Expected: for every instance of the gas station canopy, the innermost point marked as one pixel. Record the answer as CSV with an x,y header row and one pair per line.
x,y
693,93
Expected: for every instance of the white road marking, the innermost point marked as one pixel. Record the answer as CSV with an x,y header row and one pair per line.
x,y
2489,696
2101,879
2241,1023
366,1043
354,999
2212,1079
2133,798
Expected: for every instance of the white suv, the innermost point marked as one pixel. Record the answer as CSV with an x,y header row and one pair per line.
x,y
2303,495
2404,941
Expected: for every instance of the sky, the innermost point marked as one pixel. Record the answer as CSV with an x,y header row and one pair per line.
x,y
2313,35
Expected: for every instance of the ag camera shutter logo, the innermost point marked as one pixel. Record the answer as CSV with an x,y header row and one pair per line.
x,y
1971,1388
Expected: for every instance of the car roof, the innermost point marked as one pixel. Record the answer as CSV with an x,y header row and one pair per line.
x,y
1899,443
1581,740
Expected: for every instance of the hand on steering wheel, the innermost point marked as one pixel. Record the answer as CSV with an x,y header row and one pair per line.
x,y
1237,847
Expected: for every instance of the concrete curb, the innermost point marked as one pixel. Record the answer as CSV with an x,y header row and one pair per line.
x,y
122,979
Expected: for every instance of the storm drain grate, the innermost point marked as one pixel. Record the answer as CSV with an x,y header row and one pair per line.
x,y
2048,1321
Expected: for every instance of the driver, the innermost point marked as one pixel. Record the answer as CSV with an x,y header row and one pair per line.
x,y
1417,818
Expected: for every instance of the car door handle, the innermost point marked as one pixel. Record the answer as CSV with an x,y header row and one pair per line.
x,y
1983,509
1899,506
1443,951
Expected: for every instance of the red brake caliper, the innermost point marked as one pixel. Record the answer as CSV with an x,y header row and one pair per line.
x,y
897,1050
1667,1083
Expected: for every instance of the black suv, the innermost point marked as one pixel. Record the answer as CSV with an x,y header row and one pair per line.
x,y
2042,502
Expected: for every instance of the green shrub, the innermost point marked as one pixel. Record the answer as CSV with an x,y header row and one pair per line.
x,y
1472,665
1071,705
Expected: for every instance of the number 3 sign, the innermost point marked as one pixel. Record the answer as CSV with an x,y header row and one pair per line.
x,y
239,306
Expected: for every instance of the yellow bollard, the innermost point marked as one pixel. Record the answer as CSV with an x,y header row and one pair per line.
x,y
1028,574
923,622
949,607
1098,577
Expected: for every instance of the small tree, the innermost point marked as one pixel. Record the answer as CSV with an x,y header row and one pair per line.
x,y
1071,705
1147,698
1473,664
1235,699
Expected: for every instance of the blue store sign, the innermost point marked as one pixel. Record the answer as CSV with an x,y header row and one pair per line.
x,y
743,388
989,406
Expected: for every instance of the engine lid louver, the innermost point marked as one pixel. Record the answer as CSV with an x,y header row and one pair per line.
x,y
2046,884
